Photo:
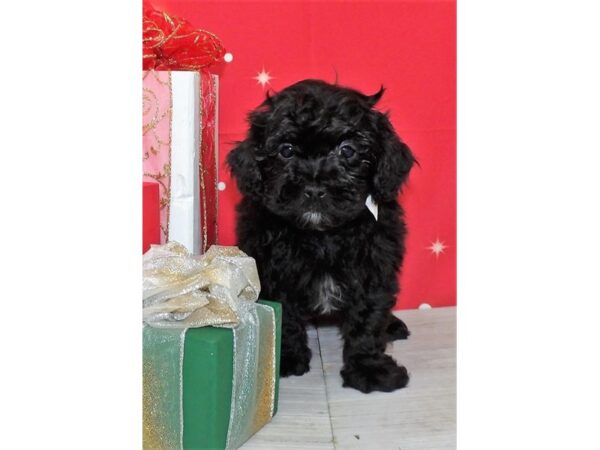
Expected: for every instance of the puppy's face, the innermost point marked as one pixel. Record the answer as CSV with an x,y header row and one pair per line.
x,y
315,151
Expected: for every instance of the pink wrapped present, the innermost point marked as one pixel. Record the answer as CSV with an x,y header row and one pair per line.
x,y
180,153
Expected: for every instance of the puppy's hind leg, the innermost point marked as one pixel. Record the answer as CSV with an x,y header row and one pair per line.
x,y
396,329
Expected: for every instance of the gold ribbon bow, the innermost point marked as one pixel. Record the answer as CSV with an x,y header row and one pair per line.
x,y
183,291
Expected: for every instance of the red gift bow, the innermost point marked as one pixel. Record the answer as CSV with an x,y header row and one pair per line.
x,y
170,43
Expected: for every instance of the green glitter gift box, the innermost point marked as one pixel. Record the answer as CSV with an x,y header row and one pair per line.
x,y
211,387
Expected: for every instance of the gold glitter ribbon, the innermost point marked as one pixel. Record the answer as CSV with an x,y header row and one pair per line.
x,y
182,291
219,288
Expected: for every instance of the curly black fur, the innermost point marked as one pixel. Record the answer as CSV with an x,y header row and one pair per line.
x,y
312,155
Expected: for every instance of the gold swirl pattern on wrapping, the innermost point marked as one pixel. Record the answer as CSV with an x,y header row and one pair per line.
x,y
208,149
203,204
152,110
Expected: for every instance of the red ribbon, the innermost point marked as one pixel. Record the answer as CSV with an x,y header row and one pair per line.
x,y
171,43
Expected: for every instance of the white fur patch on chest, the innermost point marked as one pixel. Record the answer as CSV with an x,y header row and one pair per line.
x,y
329,295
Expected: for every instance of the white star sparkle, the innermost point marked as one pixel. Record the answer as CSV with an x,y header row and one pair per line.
x,y
437,247
263,78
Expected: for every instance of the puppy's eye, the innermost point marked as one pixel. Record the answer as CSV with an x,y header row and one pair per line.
x,y
286,150
347,150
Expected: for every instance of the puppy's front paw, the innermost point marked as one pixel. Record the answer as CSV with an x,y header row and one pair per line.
x,y
396,329
297,363
375,374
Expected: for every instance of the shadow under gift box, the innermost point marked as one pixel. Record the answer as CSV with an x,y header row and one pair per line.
x,y
208,382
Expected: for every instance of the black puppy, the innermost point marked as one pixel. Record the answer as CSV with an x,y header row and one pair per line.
x,y
313,155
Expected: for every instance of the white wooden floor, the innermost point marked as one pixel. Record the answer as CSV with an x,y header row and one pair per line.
x,y
316,412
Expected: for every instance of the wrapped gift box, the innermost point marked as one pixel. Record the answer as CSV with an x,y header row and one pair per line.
x,y
180,153
218,386
150,215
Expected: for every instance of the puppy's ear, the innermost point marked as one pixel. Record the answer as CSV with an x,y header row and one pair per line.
x,y
243,165
372,100
393,163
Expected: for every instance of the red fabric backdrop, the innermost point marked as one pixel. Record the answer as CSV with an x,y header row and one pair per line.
x,y
408,46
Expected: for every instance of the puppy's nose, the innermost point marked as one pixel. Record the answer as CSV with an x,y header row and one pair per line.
x,y
314,192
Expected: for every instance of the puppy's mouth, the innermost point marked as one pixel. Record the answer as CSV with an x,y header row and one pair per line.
x,y
312,220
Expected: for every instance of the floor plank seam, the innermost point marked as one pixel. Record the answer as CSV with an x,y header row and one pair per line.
x,y
326,390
